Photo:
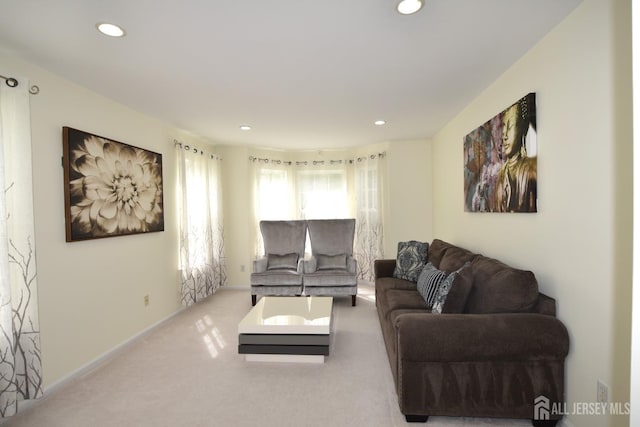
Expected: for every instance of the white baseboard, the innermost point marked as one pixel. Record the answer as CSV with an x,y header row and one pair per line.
x,y
105,357
234,288
116,350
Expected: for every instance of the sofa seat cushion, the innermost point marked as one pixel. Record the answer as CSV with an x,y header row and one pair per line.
x,y
498,288
383,284
396,299
276,278
387,283
336,277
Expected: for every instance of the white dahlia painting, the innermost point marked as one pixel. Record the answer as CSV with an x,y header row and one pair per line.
x,y
110,188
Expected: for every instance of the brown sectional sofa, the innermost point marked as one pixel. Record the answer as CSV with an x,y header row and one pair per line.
x,y
494,350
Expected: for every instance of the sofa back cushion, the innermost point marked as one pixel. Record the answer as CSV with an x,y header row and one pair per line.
x,y
448,257
498,288
437,249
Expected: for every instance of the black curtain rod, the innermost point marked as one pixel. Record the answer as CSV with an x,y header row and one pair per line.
x,y
12,82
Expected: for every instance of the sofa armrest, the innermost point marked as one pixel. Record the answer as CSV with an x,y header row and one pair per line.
x,y
545,305
260,265
384,267
352,264
426,337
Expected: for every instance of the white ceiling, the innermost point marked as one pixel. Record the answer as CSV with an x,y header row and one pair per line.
x,y
304,74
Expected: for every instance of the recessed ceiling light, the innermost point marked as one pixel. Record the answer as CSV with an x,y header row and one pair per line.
x,y
245,127
407,7
110,30
379,122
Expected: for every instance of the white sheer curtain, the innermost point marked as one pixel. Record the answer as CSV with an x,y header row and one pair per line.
x,y
324,189
20,357
271,195
368,176
287,190
202,267
321,190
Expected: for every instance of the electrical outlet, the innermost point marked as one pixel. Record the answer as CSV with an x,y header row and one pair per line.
x,y
602,393
242,268
146,300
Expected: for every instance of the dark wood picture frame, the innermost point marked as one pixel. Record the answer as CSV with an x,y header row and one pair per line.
x,y
110,188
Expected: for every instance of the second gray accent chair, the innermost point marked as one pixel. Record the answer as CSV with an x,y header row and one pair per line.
x,y
280,270
332,270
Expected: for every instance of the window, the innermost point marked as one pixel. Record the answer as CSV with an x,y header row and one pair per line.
x,y
322,194
272,195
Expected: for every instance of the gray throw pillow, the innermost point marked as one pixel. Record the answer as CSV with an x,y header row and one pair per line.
x,y
331,262
282,262
411,258
429,282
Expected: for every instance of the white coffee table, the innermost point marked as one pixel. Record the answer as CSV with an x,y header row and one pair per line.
x,y
287,329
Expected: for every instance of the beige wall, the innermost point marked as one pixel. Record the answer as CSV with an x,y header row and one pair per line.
x,y
579,243
91,293
408,211
237,213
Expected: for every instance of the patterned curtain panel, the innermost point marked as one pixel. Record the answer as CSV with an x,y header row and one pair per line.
x,y
20,358
202,268
369,175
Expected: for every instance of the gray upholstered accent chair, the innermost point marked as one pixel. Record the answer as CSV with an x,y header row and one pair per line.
x,y
279,271
331,270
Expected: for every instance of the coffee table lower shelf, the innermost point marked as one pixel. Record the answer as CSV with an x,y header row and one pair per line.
x,y
284,348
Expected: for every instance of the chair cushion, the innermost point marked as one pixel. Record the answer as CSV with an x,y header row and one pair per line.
x,y
282,262
331,262
276,278
411,258
330,278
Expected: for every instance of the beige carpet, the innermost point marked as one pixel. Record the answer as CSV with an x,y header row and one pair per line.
x,y
187,372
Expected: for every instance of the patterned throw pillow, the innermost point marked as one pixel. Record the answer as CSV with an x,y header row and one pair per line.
x,y
445,288
429,282
412,256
